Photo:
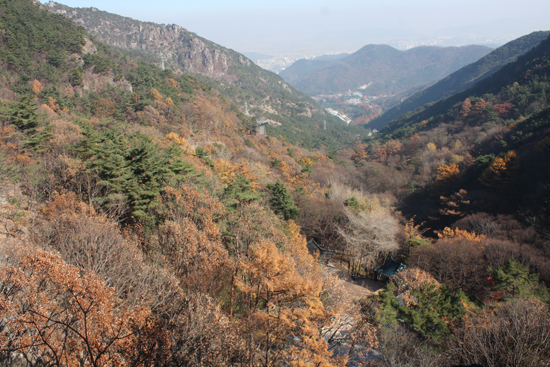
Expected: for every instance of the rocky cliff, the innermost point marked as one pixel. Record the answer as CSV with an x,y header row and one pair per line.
x,y
179,47
266,94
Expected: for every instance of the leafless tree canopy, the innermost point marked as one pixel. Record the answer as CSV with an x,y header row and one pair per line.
x,y
516,334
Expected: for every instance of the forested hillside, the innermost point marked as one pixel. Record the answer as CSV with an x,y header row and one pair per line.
x,y
463,78
144,221
243,83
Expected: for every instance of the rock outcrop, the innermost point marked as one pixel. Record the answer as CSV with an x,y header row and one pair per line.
x,y
179,47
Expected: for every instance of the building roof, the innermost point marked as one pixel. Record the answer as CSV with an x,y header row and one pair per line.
x,y
390,268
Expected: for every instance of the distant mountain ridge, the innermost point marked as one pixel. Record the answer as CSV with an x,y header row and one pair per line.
x,y
464,78
304,67
389,70
265,93
531,67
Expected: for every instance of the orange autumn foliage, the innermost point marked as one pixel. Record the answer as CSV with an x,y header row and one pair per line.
x,y
228,171
55,313
479,107
501,170
156,94
459,233
466,107
37,87
171,82
285,302
180,141
189,237
447,172
306,161
413,230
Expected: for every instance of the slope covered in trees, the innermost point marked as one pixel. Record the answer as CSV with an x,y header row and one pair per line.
x,y
463,78
136,220
143,223
471,174
242,82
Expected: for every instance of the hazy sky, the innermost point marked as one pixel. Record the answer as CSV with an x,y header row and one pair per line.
x,y
286,27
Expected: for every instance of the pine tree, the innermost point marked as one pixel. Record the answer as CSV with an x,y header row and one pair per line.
x,y
388,304
435,310
148,175
240,192
36,140
281,201
514,279
23,115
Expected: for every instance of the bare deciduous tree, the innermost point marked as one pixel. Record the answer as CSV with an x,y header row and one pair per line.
x,y
516,333
369,234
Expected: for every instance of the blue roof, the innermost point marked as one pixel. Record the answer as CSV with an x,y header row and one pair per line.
x,y
390,268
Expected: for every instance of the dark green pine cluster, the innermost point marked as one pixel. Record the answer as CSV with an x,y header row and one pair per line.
x,y
133,170
281,201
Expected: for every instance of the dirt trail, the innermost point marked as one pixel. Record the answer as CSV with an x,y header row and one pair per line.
x,y
355,288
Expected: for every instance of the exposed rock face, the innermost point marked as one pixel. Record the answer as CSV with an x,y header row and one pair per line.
x,y
89,48
178,46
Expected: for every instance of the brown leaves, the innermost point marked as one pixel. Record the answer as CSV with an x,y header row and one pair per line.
x,y
459,233
37,87
413,230
466,107
454,205
55,313
284,297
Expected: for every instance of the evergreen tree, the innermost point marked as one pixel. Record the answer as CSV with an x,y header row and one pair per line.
x,y
430,313
179,169
148,175
133,169
388,305
35,142
281,201
240,192
435,310
23,115
514,280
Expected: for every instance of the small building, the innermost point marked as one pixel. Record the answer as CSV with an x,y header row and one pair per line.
x,y
389,269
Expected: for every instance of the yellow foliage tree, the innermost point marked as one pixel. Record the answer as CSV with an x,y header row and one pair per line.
x,y
500,170
459,233
479,107
306,161
180,141
171,82
228,171
447,172
285,301
156,94
413,230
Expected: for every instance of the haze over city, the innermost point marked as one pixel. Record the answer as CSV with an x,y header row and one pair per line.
x,y
306,27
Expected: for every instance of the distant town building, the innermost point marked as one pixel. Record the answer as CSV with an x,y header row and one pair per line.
x,y
338,114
